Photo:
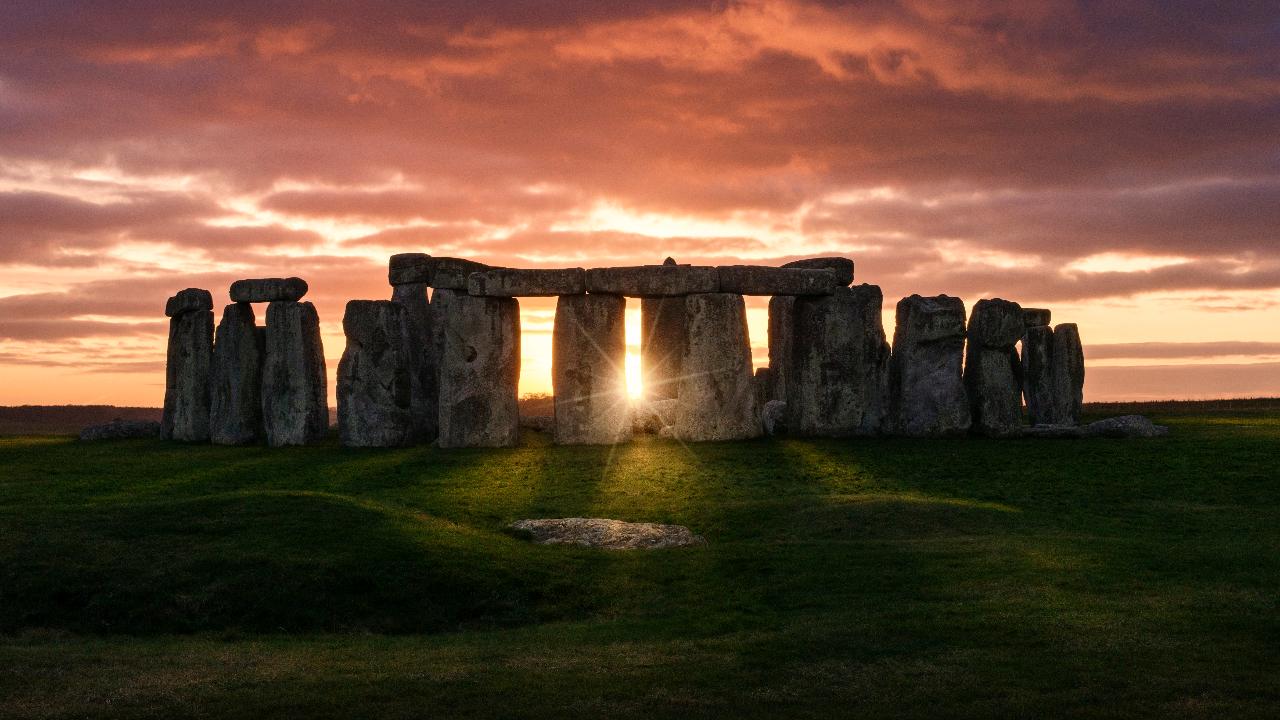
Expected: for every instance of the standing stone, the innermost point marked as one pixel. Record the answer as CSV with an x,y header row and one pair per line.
x,y
781,320
661,346
479,372
717,398
839,383
588,373
420,341
992,371
235,412
295,407
190,354
927,396
1068,375
764,386
1037,374
375,395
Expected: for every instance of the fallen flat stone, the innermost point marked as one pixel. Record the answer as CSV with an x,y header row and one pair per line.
x,y
453,273
839,382
653,280
186,391
189,300
295,407
1053,432
1037,374
717,399
841,266
510,282
420,341
1125,426
606,534
927,393
409,269
588,375
1068,375
661,345
375,393
763,280
1036,317
235,388
268,290
781,337
992,370
119,429
479,371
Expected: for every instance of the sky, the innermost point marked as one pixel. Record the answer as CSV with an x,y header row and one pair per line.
x,y
1118,163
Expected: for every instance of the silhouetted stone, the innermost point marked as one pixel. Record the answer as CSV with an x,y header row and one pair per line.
x,y
926,385
189,300
420,342
453,273
268,290
1035,317
589,349
992,371
479,372
839,382
1068,375
409,269
235,390
781,323
653,280
509,282
762,280
717,395
119,429
294,394
841,266
186,392
374,386
661,346
1037,374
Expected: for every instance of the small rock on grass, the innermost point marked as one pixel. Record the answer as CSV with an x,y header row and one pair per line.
x,y
605,533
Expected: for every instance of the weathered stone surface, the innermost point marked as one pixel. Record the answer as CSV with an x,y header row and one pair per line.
x,y
764,386
1068,375
479,371
588,360
841,266
409,269
510,282
189,300
927,392
453,273
781,326
268,290
653,280
1035,317
538,423
119,429
1125,426
717,398
607,534
420,342
375,394
1037,374
1053,432
235,388
773,417
661,346
839,382
763,280
650,416
186,390
294,385
992,370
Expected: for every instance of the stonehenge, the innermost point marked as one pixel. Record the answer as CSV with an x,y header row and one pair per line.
x,y
439,361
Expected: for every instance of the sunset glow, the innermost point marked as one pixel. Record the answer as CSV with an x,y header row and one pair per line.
x,y
1122,174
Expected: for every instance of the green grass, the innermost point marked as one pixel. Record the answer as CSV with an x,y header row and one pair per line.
x,y
959,578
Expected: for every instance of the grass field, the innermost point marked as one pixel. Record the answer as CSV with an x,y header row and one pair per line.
x,y
960,578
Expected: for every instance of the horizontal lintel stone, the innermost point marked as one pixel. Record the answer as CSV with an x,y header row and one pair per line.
x,y
510,282
841,266
763,280
1035,317
189,300
653,280
268,290
409,268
